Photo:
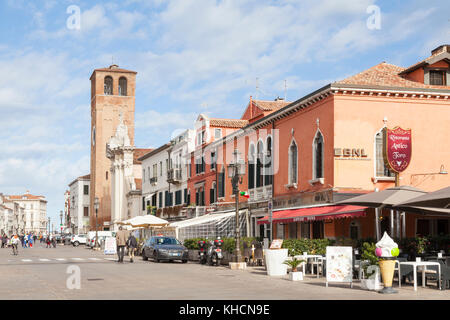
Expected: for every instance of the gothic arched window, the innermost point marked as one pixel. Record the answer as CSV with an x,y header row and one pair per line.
x,y
268,162
381,170
318,156
293,165
122,86
108,85
259,164
251,167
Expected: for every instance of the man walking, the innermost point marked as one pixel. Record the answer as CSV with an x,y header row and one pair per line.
x,y
121,241
132,245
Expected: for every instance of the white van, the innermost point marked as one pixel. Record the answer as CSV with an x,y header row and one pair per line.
x,y
91,235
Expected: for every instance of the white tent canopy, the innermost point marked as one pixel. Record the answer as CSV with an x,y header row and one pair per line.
x,y
210,225
201,219
147,220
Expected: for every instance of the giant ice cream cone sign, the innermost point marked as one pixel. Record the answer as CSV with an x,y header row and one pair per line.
x,y
387,250
397,148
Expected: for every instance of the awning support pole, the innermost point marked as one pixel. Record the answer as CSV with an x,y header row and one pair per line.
x,y
403,224
392,224
377,221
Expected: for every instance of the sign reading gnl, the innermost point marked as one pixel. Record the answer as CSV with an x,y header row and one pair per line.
x,y
397,148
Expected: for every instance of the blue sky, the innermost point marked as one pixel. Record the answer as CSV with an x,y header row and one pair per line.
x,y
191,56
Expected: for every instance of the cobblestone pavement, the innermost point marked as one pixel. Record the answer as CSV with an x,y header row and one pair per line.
x,y
41,273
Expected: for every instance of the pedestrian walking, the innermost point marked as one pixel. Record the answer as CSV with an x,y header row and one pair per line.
x,y
54,242
22,240
15,244
4,241
48,242
30,240
132,245
121,241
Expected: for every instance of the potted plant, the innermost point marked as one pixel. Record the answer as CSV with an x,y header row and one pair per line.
x,y
370,271
294,275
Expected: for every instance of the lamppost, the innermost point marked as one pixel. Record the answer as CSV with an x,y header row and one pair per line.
x,y
96,204
236,169
49,226
60,216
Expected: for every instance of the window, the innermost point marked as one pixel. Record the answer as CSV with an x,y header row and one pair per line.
x,y
437,77
199,139
154,200
317,227
251,167
167,165
160,169
122,86
212,193
318,156
203,137
186,196
85,189
160,200
268,163
305,230
217,133
381,169
155,170
108,85
292,230
259,165
213,160
188,201
280,231
178,197
293,163
221,184
86,212
143,175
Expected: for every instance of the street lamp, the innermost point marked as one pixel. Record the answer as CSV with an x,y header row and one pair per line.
x,y
61,215
236,169
49,226
96,204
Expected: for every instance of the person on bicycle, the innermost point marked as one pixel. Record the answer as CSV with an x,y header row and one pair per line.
x,y
15,244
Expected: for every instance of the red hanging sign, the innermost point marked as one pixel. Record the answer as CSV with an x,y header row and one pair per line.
x,y
397,148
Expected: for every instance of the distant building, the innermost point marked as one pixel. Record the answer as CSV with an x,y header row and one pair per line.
x,y
30,213
78,204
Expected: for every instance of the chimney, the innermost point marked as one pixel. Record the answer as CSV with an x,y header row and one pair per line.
x,y
440,49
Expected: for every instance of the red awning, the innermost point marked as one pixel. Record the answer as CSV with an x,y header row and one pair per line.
x,y
315,213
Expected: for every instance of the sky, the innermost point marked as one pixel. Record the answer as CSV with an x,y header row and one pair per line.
x,y
192,57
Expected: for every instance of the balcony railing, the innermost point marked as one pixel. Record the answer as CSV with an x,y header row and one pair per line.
x,y
174,175
153,181
260,193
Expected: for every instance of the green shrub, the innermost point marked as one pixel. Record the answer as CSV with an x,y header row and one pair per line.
x,y
312,246
368,253
192,243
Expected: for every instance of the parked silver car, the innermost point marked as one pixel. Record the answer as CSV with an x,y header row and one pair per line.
x,y
164,248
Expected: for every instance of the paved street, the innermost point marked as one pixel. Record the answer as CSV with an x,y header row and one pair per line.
x,y
40,273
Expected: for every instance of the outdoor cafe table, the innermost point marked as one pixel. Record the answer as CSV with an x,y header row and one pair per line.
x,y
310,256
423,264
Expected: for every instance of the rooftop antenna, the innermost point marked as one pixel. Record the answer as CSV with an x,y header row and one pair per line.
x,y
285,88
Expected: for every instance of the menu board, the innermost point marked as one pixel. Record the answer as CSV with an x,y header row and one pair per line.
x,y
276,244
110,245
339,264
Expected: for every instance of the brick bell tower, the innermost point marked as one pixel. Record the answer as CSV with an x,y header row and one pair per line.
x,y
112,94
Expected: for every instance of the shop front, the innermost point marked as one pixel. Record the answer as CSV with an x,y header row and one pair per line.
x,y
322,221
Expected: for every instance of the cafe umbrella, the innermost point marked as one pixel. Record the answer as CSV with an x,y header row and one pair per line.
x,y
387,198
432,202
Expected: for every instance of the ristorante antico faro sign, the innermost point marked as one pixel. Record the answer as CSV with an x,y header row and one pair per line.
x,y
397,148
